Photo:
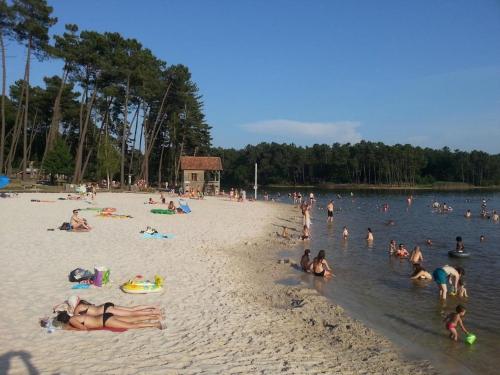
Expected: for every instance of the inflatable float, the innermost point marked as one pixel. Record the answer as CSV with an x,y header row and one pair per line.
x,y
458,254
162,211
140,286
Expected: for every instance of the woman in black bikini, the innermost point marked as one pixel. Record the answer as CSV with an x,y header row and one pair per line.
x,y
109,320
320,267
81,307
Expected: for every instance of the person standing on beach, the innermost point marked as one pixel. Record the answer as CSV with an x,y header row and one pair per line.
x,y
306,215
329,208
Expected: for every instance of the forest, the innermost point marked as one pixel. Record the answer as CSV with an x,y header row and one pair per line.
x,y
362,163
116,110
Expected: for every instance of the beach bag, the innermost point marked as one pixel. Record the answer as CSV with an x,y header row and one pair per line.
x,y
79,275
65,226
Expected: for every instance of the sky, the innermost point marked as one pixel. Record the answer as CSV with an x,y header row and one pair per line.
x,y
423,72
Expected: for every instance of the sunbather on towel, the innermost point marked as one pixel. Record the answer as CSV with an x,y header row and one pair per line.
x,y
76,306
109,320
79,224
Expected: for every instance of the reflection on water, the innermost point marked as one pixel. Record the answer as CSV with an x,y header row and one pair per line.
x,y
376,288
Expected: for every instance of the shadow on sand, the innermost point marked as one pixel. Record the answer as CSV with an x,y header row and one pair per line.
x,y
25,357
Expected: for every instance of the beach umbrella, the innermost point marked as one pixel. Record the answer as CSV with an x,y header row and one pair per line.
x,y
4,181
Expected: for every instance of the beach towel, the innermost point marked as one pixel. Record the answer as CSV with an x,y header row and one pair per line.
x,y
158,235
184,206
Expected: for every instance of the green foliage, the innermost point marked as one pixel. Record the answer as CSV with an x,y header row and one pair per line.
x,y
108,160
59,159
362,163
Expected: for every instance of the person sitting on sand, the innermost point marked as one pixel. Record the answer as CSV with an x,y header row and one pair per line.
x,y
162,198
416,256
401,252
305,262
369,235
171,206
109,320
306,235
345,233
393,247
78,223
419,273
319,266
151,201
460,245
454,319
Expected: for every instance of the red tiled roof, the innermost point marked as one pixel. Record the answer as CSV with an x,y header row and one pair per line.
x,y
204,163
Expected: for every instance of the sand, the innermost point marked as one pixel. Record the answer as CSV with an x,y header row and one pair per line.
x,y
225,313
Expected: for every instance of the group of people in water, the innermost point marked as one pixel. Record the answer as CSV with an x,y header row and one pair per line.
x,y
449,279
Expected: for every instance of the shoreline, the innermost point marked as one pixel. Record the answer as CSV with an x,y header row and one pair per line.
x,y
226,311
367,187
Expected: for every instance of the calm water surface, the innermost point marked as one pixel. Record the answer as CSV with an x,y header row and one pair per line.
x,y
376,288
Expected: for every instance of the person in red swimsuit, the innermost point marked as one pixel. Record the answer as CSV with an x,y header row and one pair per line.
x,y
454,319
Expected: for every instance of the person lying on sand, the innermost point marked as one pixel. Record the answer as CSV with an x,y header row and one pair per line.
x,y
319,266
108,320
73,197
151,201
78,223
76,306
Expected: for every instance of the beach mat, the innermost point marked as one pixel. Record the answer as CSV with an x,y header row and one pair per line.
x,y
164,236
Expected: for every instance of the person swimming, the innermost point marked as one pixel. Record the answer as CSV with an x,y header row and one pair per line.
x,y
401,252
393,247
369,235
419,273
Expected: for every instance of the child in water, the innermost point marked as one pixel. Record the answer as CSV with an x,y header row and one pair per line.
x,y
345,233
460,245
461,291
454,319
393,247
369,235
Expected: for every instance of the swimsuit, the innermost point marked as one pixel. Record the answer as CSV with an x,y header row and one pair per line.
x,y
107,305
451,326
322,273
105,317
330,213
440,276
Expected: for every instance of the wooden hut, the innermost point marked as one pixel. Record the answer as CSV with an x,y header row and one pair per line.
x,y
201,173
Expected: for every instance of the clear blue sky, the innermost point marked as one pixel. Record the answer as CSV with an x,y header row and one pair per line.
x,y
425,72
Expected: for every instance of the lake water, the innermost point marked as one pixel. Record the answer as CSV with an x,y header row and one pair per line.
x,y
376,288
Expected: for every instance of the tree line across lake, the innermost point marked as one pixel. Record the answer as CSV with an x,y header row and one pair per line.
x,y
116,110
362,163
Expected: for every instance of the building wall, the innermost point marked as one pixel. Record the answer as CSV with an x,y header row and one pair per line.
x,y
188,181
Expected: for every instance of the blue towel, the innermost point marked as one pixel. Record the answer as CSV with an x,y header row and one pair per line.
x,y
185,208
81,286
157,235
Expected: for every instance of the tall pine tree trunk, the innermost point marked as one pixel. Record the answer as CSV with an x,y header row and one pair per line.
x,y
26,111
79,153
4,85
56,117
124,135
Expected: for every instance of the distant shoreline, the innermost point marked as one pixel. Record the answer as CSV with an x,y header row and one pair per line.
x,y
444,187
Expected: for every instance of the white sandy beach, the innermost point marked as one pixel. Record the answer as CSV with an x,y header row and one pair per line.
x,y
225,314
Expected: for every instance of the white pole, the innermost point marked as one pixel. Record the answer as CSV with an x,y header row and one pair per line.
x,y
255,186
